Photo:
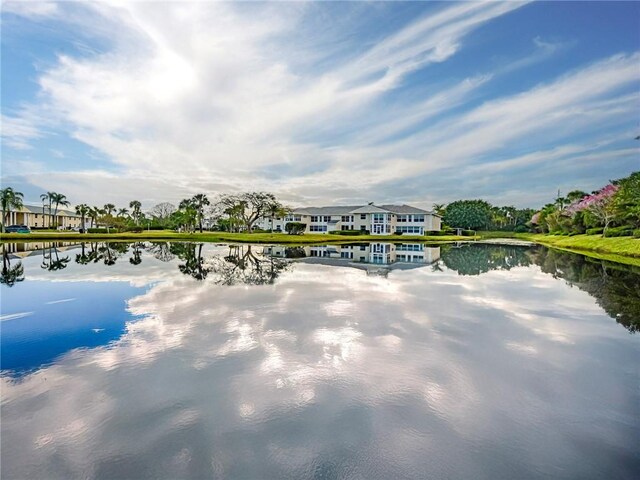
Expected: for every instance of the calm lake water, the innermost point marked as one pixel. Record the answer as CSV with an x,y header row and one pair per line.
x,y
370,361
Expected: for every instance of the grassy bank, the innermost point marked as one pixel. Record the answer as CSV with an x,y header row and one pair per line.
x,y
621,246
281,238
615,249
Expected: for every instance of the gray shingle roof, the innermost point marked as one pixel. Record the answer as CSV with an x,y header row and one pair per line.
x,y
355,209
404,209
38,210
337,210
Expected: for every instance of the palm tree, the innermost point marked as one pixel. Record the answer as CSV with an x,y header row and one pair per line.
x,y
45,198
439,208
123,212
58,199
135,206
276,210
198,202
109,208
9,199
83,210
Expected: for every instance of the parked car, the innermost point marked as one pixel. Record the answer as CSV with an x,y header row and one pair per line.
x,y
17,229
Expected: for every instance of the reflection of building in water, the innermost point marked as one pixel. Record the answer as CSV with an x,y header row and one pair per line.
x,y
31,249
390,256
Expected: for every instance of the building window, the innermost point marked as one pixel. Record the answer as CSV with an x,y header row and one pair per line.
x,y
326,219
347,218
318,228
378,217
418,218
363,216
314,218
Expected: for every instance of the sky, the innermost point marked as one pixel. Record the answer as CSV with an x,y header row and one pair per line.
x,y
321,103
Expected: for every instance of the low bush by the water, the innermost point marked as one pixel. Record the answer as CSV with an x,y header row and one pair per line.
x,y
97,230
595,231
636,233
625,231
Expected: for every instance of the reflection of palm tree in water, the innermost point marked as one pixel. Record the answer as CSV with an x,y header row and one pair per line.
x,y
84,257
136,259
194,263
52,261
10,274
110,252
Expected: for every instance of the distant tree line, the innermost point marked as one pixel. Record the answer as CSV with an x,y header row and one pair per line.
x,y
228,212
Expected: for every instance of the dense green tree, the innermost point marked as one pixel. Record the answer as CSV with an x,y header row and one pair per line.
x,y
470,214
626,200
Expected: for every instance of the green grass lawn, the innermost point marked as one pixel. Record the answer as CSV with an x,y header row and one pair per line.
x,y
628,246
225,237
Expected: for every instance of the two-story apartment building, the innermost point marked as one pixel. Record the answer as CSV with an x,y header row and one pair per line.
x,y
32,217
375,219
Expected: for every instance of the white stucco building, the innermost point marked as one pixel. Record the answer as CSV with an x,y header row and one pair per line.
x,y
375,219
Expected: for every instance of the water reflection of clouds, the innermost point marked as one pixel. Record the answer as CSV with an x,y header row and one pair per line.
x,y
279,375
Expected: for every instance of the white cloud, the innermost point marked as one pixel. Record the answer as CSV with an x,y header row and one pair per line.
x,y
213,97
18,132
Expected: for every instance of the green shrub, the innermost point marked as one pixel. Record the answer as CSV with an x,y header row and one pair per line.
x,y
348,232
624,231
97,230
295,228
520,229
135,229
468,233
636,233
594,231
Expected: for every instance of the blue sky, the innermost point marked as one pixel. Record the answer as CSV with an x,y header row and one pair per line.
x,y
321,103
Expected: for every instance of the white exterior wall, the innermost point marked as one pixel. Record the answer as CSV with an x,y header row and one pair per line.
x,y
360,221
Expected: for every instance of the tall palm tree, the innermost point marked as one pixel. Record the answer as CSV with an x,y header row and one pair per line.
x,y
83,210
9,199
123,212
109,208
135,206
198,202
276,210
45,198
58,199
439,208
